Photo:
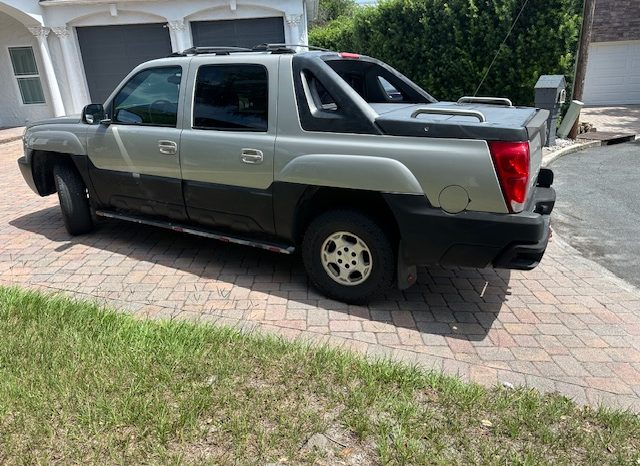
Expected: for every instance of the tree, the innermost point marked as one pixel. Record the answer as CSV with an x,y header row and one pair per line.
x,y
446,47
329,10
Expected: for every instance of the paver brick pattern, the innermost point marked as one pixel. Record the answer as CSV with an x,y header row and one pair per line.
x,y
566,326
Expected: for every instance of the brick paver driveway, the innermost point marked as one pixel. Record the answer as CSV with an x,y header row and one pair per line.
x,y
566,326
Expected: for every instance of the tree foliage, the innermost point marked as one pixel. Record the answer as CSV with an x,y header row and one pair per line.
x,y
330,10
447,46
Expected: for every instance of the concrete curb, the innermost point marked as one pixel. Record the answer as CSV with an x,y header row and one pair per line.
x,y
568,150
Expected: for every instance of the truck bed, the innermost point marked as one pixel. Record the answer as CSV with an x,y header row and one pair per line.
x,y
502,123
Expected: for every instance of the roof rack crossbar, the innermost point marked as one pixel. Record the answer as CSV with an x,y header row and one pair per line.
x,y
210,50
276,45
266,47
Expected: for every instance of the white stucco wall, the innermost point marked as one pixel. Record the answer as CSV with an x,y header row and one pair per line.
x,y
12,111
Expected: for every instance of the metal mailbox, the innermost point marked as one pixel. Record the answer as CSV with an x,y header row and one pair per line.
x,y
550,94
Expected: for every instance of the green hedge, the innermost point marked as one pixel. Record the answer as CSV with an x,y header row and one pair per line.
x,y
447,46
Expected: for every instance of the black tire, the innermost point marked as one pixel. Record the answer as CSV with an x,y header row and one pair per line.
x,y
382,257
74,202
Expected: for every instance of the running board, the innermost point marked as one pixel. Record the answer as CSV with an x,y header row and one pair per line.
x,y
273,247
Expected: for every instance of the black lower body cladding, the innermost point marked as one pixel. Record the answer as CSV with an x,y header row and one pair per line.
x,y
429,235
27,173
473,239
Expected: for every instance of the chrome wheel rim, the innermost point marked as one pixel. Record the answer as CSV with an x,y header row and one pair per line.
x,y
346,258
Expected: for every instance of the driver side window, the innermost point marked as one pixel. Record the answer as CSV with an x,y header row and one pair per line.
x,y
149,98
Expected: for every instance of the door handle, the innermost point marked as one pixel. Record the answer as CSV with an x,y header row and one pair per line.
x,y
253,156
167,147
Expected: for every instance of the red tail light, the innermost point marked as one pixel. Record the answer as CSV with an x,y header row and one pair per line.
x,y
511,161
349,55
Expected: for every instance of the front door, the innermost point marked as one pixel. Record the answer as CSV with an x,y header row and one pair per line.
x,y
228,143
135,160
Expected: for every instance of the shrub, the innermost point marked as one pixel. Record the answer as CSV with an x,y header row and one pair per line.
x,y
447,46
329,10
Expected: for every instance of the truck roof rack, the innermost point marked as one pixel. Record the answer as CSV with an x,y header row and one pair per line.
x,y
210,50
224,50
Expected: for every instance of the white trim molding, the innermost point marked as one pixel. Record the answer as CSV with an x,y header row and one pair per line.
x,y
180,35
41,33
78,89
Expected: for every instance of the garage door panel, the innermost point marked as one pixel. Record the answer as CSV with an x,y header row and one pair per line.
x,y
613,74
238,32
109,53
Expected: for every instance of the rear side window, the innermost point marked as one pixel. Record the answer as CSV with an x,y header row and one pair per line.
x,y
231,97
318,97
149,98
390,90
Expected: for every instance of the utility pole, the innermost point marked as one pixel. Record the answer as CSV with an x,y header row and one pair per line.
x,y
583,56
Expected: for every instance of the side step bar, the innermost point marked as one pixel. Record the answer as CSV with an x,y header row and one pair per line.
x,y
273,247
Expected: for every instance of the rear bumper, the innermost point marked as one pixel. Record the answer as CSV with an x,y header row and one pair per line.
x,y
473,239
27,173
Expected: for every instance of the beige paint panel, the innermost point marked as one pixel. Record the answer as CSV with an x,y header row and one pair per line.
x,y
435,162
355,172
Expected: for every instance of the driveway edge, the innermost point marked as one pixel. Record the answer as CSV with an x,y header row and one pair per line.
x,y
546,161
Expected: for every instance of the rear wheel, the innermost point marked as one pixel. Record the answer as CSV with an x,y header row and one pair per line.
x,y
74,201
348,256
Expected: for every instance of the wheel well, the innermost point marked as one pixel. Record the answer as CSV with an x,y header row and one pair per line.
x,y
43,163
316,201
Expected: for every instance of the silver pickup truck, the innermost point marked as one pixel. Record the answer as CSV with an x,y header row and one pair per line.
x,y
337,155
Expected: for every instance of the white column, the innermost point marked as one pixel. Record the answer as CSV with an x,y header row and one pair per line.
x,y
41,34
73,68
293,21
178,32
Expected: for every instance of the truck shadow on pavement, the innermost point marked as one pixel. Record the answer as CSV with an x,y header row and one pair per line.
x,y
456,303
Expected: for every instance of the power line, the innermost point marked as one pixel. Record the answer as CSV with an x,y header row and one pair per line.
x,y
500,47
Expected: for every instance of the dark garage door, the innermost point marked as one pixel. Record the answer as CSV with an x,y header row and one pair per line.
x,y
238,32
109,53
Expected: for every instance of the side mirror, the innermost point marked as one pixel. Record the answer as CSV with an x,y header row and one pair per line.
x,y
92,113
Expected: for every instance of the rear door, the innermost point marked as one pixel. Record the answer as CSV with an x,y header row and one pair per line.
x,y
227,145
135,164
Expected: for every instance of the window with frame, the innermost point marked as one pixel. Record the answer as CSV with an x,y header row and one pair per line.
x,y
25,70
231,97
149,98
392,93
318,98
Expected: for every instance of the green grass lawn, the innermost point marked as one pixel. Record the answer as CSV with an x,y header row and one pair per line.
x,y
79,384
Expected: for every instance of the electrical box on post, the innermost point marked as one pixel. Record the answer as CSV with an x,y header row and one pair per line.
x,y
550,94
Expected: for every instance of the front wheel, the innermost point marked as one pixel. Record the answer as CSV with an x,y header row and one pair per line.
x,y
74,202
348,256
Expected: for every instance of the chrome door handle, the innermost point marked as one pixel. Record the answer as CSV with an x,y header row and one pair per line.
x,y
167,147
251,156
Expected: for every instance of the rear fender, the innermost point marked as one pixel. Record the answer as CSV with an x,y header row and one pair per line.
x,y
351,172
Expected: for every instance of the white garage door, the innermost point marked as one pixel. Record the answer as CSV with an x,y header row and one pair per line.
x,y
613,74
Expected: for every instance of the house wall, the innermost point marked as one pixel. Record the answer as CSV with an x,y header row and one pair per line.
x,y
616,20
12,111
54,39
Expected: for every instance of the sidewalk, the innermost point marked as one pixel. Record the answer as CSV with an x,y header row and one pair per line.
x,y
11,134
616,119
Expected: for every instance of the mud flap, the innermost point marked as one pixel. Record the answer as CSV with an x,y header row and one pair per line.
x,y
407,274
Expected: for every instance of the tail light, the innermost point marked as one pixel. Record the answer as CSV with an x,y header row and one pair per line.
x,y
511,161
